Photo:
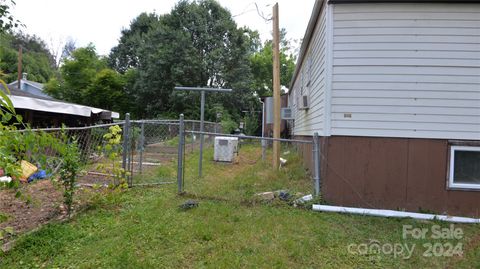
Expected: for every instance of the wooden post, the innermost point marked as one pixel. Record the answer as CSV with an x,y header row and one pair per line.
x,y
276,88
19,68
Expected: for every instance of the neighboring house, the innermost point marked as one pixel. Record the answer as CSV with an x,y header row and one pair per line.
x,y
32,87
393,90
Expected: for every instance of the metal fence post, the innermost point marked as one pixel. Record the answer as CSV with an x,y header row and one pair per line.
x,y
180,155
141,147
193,140
264,149
316,163
264,142
200,159
126,132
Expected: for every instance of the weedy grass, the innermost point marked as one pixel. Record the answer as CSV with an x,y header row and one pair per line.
x,y
144,227
3,217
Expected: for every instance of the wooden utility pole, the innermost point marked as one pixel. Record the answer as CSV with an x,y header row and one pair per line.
x,y
19,71
276,88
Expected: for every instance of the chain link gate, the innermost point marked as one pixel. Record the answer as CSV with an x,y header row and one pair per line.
x,y
151,149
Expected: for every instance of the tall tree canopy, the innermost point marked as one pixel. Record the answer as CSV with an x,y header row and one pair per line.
x,y
262,66
125,55
37,60
86,79
196,44
7,21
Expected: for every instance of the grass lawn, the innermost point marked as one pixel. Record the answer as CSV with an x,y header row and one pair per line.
x,y
144,228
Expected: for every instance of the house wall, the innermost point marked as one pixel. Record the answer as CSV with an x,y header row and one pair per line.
x,y
404,70
392,173
401,82
312,120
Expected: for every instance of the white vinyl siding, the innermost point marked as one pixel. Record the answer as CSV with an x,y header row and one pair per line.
x,y
314,83
406,70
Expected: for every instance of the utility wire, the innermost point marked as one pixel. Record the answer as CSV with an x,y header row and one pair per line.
x,y
262,15
267,19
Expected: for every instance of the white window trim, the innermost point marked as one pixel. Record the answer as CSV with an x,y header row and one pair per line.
x,y
451,184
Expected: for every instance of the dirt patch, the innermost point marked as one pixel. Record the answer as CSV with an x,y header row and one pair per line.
x,y
40,202
95,179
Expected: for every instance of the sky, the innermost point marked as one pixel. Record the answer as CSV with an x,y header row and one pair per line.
x,y
101,21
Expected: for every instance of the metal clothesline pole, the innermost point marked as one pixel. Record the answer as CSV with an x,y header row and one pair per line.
x,y
202,114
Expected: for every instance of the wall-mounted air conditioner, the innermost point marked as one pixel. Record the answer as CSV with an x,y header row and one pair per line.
x,y
304,102
287,113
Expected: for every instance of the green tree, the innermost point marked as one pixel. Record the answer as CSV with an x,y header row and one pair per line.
x,y
196,44
37,60
262,66
78,74
7,21
124,56
107,91
86,79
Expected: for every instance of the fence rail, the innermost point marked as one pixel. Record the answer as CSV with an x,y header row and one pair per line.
x,y
253,137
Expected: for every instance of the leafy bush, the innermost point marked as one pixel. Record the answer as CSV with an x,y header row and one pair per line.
x,y
16,146
112,150
228,124
68,172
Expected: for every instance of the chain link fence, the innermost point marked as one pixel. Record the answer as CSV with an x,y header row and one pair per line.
x,y
153,152
145,145
91,143
238,152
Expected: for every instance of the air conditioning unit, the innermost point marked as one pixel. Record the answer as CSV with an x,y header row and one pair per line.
x,y
225,148
304,102
287,113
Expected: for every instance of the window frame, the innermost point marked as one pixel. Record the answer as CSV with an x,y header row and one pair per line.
x,y
451,169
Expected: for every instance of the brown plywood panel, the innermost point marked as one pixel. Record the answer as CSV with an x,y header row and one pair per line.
x,y
323,160
392,173
386,173
355,165
427,161
463,202
332,184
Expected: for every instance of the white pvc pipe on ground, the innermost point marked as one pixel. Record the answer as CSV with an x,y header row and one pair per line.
x,y
392,213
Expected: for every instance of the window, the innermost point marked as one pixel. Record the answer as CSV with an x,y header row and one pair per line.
x,y
464,167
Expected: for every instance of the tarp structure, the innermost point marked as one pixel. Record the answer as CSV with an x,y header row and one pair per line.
x,y
54,106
